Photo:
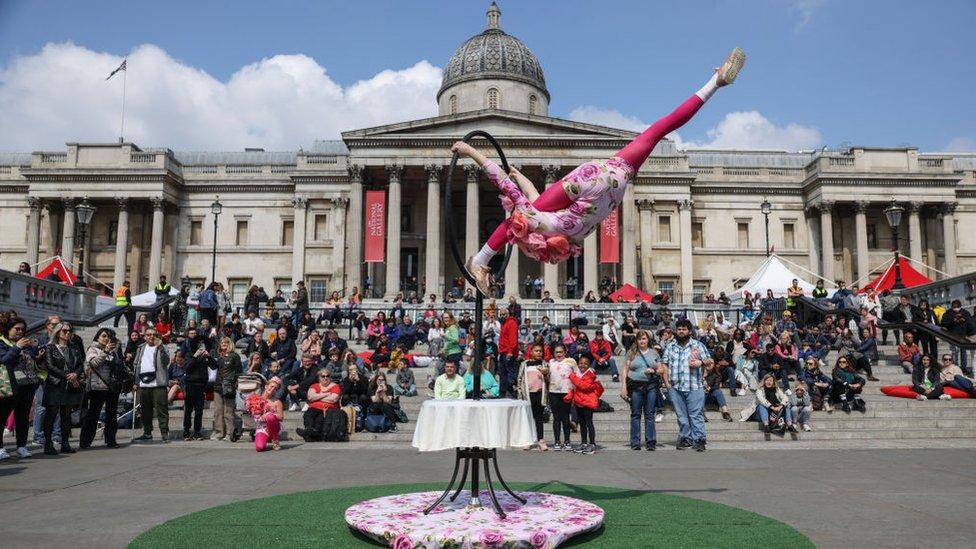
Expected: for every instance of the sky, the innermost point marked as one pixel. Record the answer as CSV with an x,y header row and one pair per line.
x,y
208,75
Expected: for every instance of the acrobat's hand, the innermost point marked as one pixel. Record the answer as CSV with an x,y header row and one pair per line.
x,y
462,148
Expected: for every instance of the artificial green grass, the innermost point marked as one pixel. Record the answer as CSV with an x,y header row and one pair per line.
x,y
633,518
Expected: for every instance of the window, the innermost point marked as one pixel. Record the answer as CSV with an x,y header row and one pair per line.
x,y
789,236
697,235
664,228
739,282
699,288
872,230
493,99
406,220
113,233
742,233
287,232
283,284
321,230
241,235
533,101
666,287
196,232
317,289
453,103
238,290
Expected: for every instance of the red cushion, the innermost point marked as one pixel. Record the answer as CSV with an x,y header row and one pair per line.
x,y
367,357
905,391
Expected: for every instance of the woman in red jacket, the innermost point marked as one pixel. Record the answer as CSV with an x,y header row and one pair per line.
x,y
586,399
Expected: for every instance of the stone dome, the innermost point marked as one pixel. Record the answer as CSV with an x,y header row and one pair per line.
x,y
493,54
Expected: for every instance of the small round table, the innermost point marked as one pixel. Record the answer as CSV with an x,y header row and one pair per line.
x,y
475,429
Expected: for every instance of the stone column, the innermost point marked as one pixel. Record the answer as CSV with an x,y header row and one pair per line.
x,y
687,265
591,255
338,222
629,253
33,230
861,238
646,208
931,240
53,228
432,257
813,230
915,230
121,244
550,272
949,237
299,227
354,229
68,238
472,221
156,243
827,239
513,284
393,213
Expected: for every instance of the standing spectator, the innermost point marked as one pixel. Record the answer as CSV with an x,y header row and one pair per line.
x,y
560,368
514,309
587,390
123,298
225,390
533,388
526,335
224,304
193,303
152,364
684,358
452,337
63,387
959,322
926,342
198,368
641,387
528,286
208,304
301,301
508,353
162,288
24,268
104,371
41,348
571,287
547,297
537,286
18,354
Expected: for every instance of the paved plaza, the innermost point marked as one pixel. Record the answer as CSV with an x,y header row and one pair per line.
x,y
838,498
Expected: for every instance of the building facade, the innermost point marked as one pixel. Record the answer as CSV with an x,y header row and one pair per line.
x,y
690,224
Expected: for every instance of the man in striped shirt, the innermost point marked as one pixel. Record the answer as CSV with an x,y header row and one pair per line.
x,y
684,357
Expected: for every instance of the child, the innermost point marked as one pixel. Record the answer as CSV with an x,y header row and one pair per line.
x,y
532,386
406,384
550,227
585,398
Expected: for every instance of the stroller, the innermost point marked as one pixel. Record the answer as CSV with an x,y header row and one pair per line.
x,y
248,384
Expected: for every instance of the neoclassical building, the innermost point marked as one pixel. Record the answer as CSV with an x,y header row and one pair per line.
x,y
691,224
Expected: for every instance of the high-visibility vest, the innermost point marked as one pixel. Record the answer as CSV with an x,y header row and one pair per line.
x,y
120,299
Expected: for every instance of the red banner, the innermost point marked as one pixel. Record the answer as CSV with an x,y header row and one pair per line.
x,y
375,226
610,238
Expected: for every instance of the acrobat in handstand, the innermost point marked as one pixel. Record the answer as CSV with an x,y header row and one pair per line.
x,y
551,227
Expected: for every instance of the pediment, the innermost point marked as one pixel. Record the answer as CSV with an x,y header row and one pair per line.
x,y
497,123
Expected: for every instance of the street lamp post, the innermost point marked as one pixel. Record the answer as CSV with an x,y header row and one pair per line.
x,y
766,208
215,208
84,212
893,213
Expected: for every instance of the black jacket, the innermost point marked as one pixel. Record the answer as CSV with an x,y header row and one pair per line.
x,y
286,349
57,391
196,369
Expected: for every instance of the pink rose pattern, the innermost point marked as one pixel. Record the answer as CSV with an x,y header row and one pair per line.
x,y
596,188
545,521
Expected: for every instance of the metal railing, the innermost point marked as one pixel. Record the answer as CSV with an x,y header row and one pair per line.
x,y
943,292
35,298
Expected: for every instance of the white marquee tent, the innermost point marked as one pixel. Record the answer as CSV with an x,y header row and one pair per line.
x,y
773,275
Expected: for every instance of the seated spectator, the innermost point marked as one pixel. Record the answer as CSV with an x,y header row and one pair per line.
x,y
142,322
355,388
908,353
819,292
449,385
176,371
164,327
391,331
334,365
959,322
299,381
770,399
257,344
406,383
381,400
408,334
951,376
846,385
489,386
817,383
712,380
602,355
927,380
312,346
769,364
252,324
801,406
373,333
268,413
284,350
349,359
323,395
360,323
787,354
254,364
869,353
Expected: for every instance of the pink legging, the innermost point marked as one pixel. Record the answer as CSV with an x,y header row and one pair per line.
x,y
635,153
271,432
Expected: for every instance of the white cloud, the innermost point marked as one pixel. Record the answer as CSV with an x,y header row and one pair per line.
x,y
804,9
279,103
961,144
738,130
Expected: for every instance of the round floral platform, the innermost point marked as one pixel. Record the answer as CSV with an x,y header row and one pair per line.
x,y
545,520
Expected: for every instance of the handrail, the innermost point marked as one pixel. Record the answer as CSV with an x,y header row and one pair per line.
x,y
98,318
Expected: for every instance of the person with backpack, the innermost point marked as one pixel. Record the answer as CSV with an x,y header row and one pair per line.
x,y
381,414
323,396
585,398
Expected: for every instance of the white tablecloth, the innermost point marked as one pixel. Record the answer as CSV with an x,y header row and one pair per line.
x,y
494,423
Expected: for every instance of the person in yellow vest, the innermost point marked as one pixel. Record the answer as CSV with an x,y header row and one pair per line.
x,y
162,288
123,298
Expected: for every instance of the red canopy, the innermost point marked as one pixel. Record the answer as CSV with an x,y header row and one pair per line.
x,y
629,294
64,273
909,277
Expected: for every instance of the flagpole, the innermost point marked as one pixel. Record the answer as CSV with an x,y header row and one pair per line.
x,y
122,125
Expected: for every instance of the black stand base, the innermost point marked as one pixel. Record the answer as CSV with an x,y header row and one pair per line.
x,y
473,459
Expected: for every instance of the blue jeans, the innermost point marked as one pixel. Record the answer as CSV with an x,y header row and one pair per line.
x,y
689,407
764,414
717,396
610,365
642,400
730,380
39,418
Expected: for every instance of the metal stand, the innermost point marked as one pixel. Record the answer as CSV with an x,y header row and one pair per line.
x,y
473,459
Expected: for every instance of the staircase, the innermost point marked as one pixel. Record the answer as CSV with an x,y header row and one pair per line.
x,y
887,423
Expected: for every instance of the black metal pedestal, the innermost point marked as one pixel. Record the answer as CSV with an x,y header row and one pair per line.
x,y
473,459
